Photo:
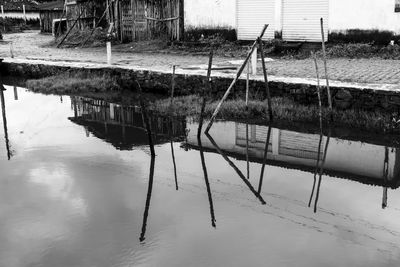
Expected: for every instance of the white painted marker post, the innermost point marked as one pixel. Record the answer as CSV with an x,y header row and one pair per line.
x,y
254,62
23,10
109,59
2,15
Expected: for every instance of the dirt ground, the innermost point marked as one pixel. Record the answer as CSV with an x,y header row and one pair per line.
x,y
33,45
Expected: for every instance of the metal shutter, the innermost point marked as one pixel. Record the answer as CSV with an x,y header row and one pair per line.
x,y
251,17
301,20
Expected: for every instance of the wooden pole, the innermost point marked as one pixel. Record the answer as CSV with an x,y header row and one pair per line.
x,y
247,151
205,93
266,79
70,29
326,68
239,73
109,53
247,85
318,90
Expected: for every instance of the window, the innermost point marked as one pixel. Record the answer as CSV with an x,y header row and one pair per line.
x,y
397,6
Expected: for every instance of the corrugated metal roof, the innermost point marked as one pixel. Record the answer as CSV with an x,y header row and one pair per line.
x,y
16,5
56,5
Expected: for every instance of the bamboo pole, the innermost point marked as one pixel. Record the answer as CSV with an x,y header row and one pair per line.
x,y
316,169
173,153
247,85
205,93
318,89
326,68
247,151
385,178
239,73
266,79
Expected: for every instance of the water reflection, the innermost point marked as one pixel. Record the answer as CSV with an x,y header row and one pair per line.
x,y
123,126
317,154
93,205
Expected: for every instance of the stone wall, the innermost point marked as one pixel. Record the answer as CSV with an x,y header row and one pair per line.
x,y
159,82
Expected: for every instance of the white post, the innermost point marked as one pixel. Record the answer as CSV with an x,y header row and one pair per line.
x,y
4,18
23,10
254,62
109,61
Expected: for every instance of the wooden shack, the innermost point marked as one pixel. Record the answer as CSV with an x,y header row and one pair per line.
x,y
137,20
86,13
49,13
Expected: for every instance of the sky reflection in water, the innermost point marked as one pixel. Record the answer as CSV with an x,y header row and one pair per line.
x,y
74,183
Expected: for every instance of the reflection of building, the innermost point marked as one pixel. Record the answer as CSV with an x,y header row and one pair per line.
x,y
363,162
123,126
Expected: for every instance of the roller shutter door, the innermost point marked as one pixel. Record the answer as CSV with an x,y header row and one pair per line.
x,y
301,20
251,17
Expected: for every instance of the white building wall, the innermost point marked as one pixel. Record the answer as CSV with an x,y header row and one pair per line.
x,y
20,15
363,14
210,14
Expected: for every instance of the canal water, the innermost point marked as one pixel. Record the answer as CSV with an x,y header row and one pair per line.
x,y
79,187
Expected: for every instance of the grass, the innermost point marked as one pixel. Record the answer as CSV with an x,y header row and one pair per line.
x,y
283,110
72,83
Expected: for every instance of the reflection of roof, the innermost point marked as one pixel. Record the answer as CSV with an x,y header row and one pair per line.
x,y
134,136
395,183
56,5
16,5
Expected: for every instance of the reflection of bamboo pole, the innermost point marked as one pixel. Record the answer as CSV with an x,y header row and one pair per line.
x,y
264,159
3,109
148,198
237,170
265,79
204,166
146,120
15,93
173,153
239,73
316,169
385,178
172,86
326,67
321,170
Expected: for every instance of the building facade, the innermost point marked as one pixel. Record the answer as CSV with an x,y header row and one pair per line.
x,y
293,20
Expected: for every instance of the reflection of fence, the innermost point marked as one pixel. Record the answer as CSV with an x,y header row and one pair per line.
x,y
283,142
100,111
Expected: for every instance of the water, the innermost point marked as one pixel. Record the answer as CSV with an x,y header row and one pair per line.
x,y
79,187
